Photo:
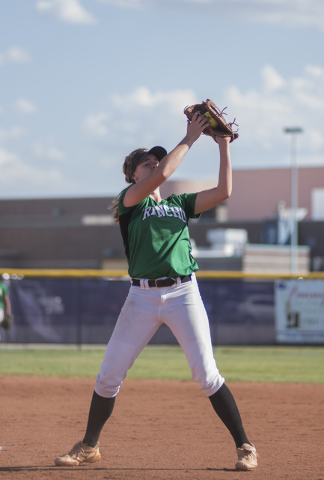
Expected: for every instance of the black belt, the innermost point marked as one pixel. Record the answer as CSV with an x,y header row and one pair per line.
x,y
167,282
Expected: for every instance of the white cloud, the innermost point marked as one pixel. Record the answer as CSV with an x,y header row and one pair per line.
x,y
25,106
18,55
95,125
262,114
69,11
133,4
141,117
296,13
17,175
6,157
145,118
14,55
300,13
48,152
10,134
271,79
143,98
316,143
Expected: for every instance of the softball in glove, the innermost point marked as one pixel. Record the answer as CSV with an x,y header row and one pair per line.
x,y
218,126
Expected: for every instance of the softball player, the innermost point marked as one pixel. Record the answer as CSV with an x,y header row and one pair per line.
x,y
163,289
5,308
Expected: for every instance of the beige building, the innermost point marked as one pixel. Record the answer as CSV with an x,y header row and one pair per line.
x,y
81,233
257,192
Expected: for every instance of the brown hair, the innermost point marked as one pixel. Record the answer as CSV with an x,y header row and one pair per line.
x,y
129,168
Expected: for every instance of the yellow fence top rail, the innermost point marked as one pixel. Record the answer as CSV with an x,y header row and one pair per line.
x,y
76,273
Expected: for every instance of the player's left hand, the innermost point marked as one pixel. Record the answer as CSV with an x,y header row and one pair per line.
x,y
221,140
7,322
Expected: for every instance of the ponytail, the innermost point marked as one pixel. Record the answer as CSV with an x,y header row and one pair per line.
x,y
128,169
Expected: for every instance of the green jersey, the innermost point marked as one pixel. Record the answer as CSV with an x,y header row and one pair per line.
x,y
156,236
3,292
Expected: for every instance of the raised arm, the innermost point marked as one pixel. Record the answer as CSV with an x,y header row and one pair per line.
x,y
209,198
167,165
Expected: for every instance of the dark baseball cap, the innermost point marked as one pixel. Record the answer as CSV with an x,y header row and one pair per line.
x,y
158,152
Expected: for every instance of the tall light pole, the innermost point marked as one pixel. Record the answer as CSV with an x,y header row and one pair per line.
x,y
294,199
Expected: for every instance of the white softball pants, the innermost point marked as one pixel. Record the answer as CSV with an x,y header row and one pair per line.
x,y
181,308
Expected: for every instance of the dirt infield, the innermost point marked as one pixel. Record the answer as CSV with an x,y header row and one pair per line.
x,y
159,430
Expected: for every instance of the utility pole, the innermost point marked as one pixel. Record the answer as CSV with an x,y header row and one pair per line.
x,y
293,131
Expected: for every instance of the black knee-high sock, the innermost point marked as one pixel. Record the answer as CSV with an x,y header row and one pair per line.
x,y
100,410
224,405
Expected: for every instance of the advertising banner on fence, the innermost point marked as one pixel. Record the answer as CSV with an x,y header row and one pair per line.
x,y
299,308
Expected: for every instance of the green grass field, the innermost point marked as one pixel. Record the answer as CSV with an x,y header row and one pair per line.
x,y
239,364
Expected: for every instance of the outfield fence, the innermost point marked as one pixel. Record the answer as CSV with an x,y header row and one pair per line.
x,y
82,306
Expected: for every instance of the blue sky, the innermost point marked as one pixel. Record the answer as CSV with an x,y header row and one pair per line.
x,y
84,82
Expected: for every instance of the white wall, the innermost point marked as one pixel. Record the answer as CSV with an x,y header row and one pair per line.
x,y
318,204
